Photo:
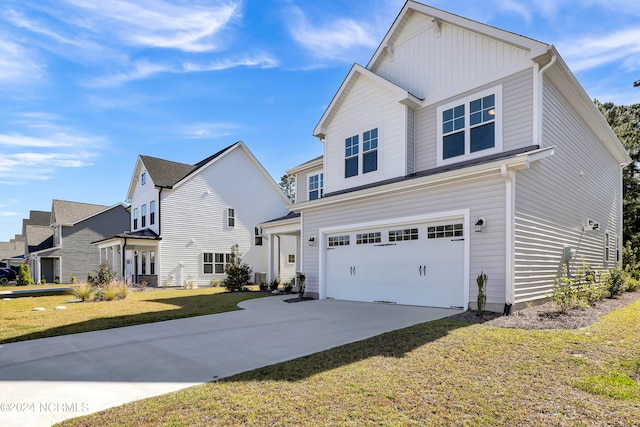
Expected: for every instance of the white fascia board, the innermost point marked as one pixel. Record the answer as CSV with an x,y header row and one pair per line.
x,y
402,95
533,46
311,164
567,83
132,182
521,161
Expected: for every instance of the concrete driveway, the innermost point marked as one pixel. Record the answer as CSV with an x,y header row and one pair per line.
x,y
48,380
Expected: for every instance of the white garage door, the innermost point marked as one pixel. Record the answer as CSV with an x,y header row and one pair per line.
x,y
416,264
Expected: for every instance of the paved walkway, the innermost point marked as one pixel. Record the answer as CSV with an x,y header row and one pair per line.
x,y
48,380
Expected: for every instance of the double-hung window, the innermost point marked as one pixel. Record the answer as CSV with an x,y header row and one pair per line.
x,y
143,179
471,127
143,217
316,186
135,218
220,262
370,151
351,150
231,217
152,212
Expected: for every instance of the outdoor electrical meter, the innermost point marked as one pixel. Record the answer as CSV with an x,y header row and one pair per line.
x,y
569,252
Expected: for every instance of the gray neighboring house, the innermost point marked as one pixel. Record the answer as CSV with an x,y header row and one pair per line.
x,y
12,252
63,248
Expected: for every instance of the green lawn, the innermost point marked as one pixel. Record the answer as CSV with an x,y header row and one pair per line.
x,y
18,321
442,373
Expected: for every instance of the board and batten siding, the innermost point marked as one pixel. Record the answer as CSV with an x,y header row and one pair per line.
x,y
435,66
194,218
484,197
555,198
366,106
517,123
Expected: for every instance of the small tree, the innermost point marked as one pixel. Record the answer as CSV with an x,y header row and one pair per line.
x,y
481,280
238,272
24,275
288,186
104,275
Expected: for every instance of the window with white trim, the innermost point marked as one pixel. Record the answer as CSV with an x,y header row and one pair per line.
x,y
470,127
351,150
291,258
152,212
143,178
231,217
143,215
135,218
370,151
316,186
607,249
221,260
257,236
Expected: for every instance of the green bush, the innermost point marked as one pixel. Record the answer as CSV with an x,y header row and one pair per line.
x,y
288,286
615,281
301,284
73,279
274,284
633,284
567,296
263,286
238,272
104,275
24,275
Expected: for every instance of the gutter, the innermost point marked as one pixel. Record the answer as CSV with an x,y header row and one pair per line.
x,y
509,176
541,94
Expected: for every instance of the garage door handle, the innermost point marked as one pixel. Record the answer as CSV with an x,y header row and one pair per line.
x,y
421,270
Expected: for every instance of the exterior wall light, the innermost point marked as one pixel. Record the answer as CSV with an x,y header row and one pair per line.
x,y
312,240
480,224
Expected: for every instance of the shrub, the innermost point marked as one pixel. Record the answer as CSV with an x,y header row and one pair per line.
x,y
633,284
190,283
288,286
481,280
238,272
43,281
263,286
112,291
301,284
274,284
24,275
215,283
104,275
84,291
566,295
73,279
123,289
587,282
615,281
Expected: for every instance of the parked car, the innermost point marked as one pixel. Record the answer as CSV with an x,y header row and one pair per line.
x,y
7,275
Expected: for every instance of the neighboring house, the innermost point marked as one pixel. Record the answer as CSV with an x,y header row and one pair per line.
x,y
12,252
185,219
458,149
63,248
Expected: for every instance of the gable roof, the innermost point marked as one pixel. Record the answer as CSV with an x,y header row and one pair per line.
x,y
403,96
36,218
168,174
38,237
438,16
64,212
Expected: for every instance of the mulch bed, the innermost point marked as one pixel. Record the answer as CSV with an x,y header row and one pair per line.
x,y
547,316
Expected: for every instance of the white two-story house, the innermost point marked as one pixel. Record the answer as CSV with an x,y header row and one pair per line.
x,y
459,149
185,219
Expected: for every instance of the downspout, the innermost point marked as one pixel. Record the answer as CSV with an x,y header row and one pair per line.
x,y
510,291
541,97
160,211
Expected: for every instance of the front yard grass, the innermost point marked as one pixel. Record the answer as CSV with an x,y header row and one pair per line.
x,y
442,373
18,322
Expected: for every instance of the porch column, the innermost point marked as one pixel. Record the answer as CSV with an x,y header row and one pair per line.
x,y
271,239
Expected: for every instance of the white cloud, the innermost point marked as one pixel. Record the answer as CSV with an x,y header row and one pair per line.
x,y
139,70
17,64
19,140
210,130
159,24
261,61
593,52
333,40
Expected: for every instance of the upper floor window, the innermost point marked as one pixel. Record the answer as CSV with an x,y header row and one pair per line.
x,y
152,212
257,236
143,216
143,178
231,217
135,218
470,128
316,186
351,149
370,151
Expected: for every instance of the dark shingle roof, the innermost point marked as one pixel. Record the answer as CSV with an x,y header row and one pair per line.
x,y
166,173
39,237
36,218
65,212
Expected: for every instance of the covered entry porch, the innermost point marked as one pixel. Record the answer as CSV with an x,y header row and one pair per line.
x,y
283,237
133,256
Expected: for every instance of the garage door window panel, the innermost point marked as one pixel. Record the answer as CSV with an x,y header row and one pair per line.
x,y
368,238
339,241
443,231
404,234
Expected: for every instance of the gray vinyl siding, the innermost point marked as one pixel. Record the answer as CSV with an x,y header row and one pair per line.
x,y
483,196
411,149
517,103
78,257
556,196
302,185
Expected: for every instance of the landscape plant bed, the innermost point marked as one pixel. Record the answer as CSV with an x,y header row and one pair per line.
x,y
547,315
297,299
444,372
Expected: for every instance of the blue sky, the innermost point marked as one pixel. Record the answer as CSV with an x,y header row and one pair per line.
x,y
87,85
